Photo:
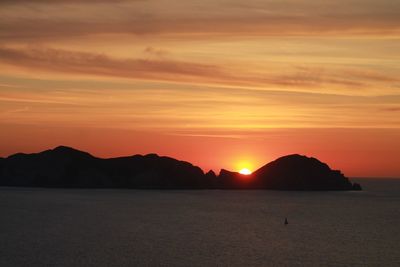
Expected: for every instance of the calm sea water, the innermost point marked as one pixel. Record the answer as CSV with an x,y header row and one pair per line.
x,y
54,227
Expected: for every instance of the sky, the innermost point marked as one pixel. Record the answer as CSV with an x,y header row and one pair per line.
x,y
222,84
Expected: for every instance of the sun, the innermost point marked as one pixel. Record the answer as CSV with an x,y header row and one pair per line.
x,y
245,171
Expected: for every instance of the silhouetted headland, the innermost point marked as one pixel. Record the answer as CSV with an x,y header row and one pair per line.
x,y
68,167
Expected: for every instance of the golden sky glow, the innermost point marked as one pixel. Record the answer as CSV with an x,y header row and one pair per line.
x,y
217,83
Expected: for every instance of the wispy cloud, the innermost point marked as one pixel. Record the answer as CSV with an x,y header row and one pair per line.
x,y
157,52
65,19
165,69
55,2
100,64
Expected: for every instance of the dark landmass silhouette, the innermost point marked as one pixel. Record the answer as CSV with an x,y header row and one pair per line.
x,y
293,172
68,167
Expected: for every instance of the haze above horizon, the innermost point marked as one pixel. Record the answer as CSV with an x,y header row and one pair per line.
x,y
217,83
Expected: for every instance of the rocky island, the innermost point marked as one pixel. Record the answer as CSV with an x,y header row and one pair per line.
x,y
68,167
292,172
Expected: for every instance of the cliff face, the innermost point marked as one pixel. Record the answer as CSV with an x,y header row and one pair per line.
x,y
67,167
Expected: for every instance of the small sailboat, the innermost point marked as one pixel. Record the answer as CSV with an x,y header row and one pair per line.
x,y
286,222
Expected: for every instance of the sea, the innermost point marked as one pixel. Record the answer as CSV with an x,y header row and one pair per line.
x,y
112,227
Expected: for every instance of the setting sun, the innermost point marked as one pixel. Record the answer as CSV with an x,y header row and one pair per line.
x,y
245,171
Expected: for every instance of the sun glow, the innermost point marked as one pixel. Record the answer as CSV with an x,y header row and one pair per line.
x,y
245,171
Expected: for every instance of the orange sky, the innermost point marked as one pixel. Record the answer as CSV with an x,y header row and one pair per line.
x,y
218,83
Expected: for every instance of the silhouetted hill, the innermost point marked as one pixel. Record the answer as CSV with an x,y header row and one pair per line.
x,y
296,172
292,172
68,167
